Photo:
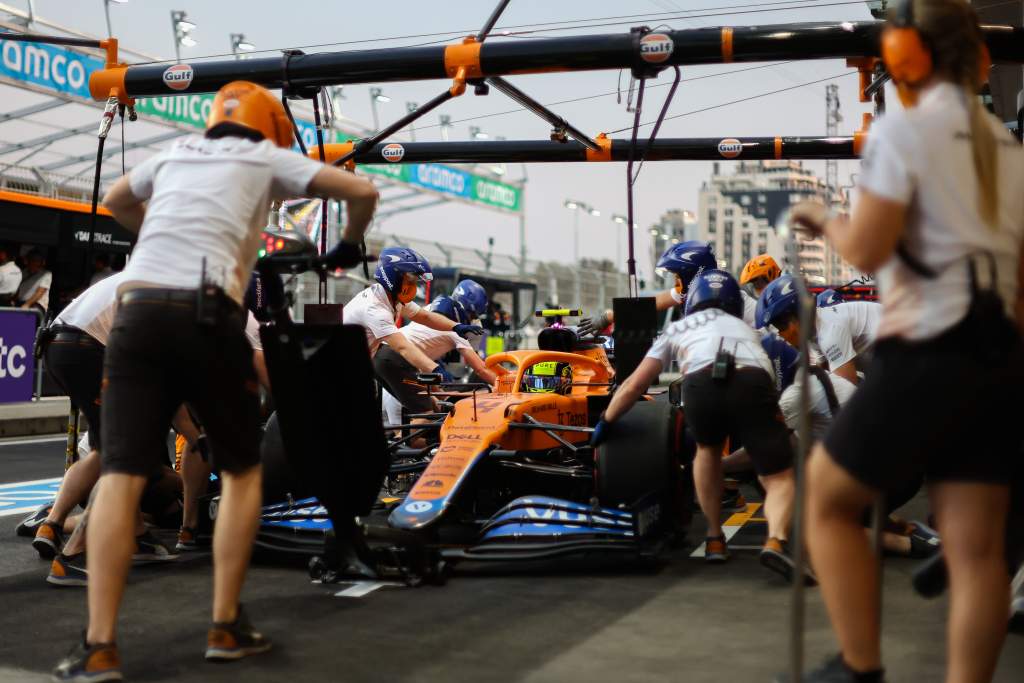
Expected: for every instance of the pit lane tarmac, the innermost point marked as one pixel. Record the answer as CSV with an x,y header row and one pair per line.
x,y
682,621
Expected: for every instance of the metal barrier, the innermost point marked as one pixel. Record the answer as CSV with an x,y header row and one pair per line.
x,y
17,342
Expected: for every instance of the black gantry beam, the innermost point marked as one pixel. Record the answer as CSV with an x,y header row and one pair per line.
x,y
634,49
663,149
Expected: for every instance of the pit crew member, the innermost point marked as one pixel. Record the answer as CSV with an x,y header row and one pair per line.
x,y
940,221
756,274
199,208
378,307
728,388
845,332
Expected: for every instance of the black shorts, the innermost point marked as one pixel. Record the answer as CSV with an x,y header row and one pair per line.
x,y
159,357
931,409
745,406
75,361
399,377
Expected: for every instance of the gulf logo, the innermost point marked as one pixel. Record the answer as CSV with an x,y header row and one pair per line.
x,y
178,77
393,152
656,48
730,148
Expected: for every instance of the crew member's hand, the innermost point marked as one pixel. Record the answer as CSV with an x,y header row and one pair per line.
x,y
443,371
344,255
600,433
465,331
809,216
593,325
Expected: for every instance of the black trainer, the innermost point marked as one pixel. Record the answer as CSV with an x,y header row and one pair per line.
x,y
90,664
835,670
228,642
27,527
68,571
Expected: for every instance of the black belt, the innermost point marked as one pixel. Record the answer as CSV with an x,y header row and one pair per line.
x,y
159,295
77,338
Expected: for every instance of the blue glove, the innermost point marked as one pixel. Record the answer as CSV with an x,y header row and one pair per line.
x,y
465,331
601,431
443,371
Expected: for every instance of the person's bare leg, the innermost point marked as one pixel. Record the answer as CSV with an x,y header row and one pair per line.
x,y
779,490
843,559
707,481
972,521
238,517
195,475
78,481
110,542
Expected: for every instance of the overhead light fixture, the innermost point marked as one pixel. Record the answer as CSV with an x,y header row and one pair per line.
x,y
187,41
569,204
246,46
477,134
654,231
594,212
621,220
378,95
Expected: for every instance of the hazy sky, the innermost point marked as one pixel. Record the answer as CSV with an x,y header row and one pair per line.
x,y
271,24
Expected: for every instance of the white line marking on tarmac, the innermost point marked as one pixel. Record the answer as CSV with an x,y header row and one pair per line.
x,y
41,439
360,589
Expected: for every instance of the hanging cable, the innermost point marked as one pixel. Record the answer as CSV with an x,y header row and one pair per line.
x,y
661,119
634,291
105,122
323,202
742,99
295,127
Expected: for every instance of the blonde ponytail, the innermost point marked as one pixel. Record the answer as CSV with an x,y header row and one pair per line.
x,y
985,150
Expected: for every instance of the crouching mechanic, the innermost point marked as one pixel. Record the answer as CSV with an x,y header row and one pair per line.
x,y
377,308
396,372
199,208
684,260
845,332
728,388
757,274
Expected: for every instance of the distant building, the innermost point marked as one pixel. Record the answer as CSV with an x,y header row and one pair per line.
x,y
738,212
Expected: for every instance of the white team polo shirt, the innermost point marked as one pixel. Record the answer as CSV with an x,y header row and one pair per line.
x,y
821,412
847,330
921,157
93,310
372,309
695,340
209,199
433,343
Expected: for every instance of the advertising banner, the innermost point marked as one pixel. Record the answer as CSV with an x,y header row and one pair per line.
x,y
17,337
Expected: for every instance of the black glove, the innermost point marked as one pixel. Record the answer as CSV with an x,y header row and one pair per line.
x,y
601,431
465,331
443,371
593,326
344,255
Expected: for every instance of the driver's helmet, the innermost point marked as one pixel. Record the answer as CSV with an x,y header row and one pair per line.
x,y
548,377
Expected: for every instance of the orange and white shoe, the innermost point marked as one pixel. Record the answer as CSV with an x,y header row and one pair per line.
x,y
49,540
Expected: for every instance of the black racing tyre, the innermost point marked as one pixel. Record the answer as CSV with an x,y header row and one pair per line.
x,y
279,478
639,456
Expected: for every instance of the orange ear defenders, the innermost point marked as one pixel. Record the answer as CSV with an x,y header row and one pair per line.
x,y
905,53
